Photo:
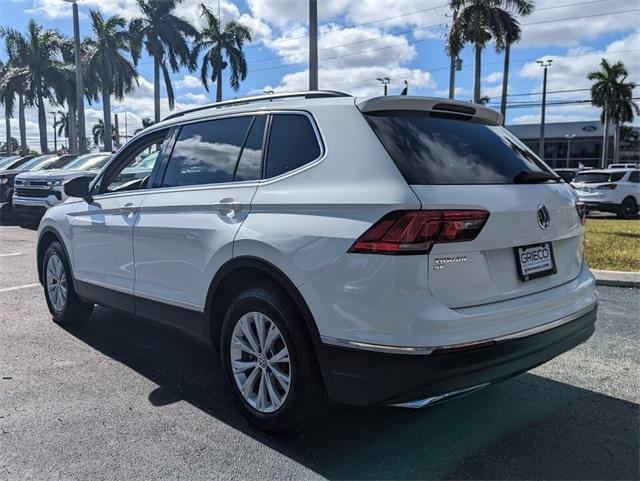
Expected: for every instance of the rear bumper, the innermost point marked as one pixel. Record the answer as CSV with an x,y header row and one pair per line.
x,y
601,206
363,376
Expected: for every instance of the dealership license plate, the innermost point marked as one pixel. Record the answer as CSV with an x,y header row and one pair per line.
x,y
535,261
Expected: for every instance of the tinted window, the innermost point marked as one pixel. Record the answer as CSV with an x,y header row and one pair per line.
x,y
206,152
433,150
250,162
634,176
39,163
598,177
292,143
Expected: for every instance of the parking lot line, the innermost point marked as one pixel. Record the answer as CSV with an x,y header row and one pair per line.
x,y
12,254
15,288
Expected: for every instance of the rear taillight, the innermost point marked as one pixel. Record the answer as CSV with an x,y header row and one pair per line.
x,y
607,186
582,212
415,231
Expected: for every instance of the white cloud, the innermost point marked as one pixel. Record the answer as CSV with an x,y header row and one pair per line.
x,y
361,80
188,82
575,30
493,77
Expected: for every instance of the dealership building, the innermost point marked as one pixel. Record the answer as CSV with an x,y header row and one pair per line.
x,y
582,141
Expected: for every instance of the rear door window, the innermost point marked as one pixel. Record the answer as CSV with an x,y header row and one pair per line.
x,y
206,152
434,150
292,143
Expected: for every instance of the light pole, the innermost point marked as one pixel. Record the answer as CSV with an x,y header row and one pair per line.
x,y
55,131
544,64
569,137
82,132
385,81
313,44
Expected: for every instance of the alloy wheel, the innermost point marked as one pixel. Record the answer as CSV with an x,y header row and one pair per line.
x,y
56,279
260,362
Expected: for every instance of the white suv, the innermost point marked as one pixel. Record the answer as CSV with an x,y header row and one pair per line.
x,y
610,190
389,251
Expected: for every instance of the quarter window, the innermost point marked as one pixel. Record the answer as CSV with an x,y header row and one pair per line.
x,y
206,152
250,163
634,176
292,144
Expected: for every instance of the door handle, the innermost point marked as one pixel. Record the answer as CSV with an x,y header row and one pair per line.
x,y
128,209
228,206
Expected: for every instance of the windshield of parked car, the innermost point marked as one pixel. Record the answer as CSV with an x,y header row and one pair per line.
x,y
429,149
61,161
145,163
598,177
89,162
7,160
38,163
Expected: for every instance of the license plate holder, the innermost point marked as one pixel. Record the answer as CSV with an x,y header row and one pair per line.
x,y
535,260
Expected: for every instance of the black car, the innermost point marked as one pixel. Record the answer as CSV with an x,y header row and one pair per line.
x,y
41,162
14,162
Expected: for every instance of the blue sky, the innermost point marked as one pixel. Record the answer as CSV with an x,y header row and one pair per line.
x,y
361,40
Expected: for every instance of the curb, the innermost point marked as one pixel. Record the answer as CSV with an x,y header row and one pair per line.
x,y
616,278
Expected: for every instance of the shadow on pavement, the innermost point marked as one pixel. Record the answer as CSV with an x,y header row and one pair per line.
x,y
527,428
9,217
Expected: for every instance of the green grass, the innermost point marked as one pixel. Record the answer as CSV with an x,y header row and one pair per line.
x,y
613,244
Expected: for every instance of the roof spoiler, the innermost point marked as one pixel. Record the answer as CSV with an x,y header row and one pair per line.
x,y
453,108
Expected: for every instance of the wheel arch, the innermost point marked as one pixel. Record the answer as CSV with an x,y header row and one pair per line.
x,y
47,236
242,272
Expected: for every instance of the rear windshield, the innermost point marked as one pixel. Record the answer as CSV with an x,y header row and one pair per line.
x,y
598,177
434,150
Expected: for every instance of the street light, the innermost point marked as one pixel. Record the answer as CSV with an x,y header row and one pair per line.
x,y
55,131
313,44
82,132
569,137
544,64
385,81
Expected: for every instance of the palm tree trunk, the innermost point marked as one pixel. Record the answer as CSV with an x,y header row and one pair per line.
x,y
156,89
42,121
106,112
505,83
219,81
73,129
605,137
616,143
477,73
7,125
22,125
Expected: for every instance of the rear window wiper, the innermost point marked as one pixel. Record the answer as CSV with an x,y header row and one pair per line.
x,y
533,177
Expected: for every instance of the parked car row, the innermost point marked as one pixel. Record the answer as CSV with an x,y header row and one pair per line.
x,y
615,189
30,185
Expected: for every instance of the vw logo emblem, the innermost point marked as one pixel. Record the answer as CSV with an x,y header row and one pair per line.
x,y
543,216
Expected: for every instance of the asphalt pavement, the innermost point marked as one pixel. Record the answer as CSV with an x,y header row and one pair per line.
x,y
119,399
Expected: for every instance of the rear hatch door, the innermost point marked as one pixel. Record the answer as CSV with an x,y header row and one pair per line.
x,y
532,239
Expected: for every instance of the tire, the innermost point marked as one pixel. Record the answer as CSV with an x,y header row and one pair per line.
x,y
628,209
306,400
65,306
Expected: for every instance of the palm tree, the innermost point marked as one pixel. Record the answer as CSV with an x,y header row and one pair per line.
x,y
46,71
62,124
16,79
164,36
478,22
106,55
511,34
216,44
613,95
7,100
146,123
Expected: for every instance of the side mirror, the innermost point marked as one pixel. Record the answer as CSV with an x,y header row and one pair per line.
x,y
79,187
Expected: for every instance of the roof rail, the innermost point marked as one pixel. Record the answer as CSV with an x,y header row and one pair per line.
x,y
311,94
